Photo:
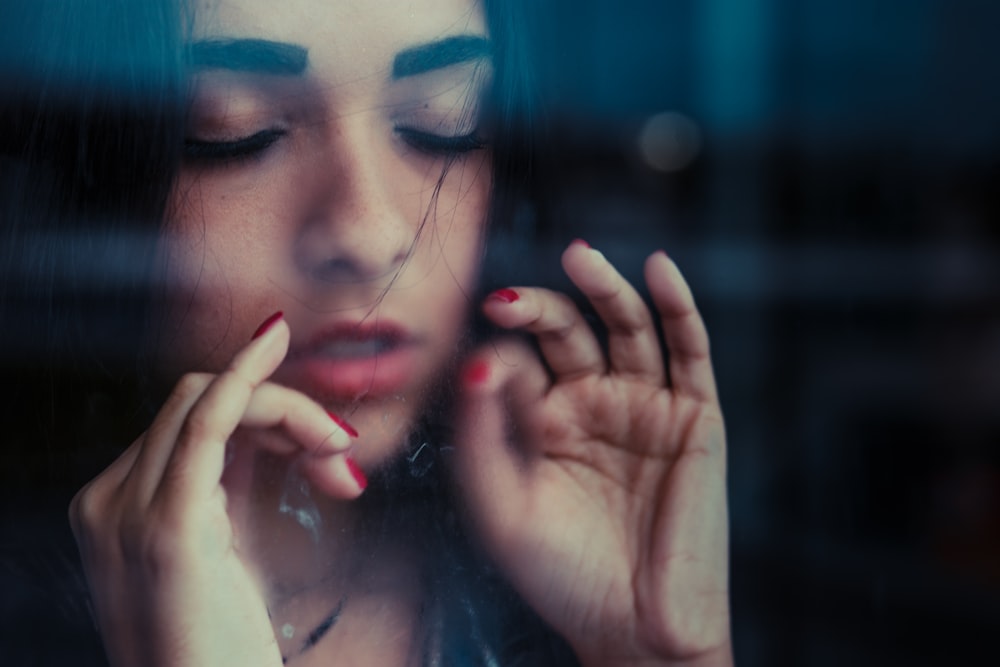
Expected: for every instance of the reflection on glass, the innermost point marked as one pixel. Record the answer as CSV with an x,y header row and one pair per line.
x,y
281,245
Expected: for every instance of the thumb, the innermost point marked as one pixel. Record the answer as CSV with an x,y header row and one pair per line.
x,y
495,444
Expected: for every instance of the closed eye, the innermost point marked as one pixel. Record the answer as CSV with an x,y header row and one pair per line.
x,y
202,150
444,145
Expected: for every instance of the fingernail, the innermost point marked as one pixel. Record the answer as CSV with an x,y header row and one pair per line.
x,y
339,421
476,373
267,324
580,242
505,295
356,473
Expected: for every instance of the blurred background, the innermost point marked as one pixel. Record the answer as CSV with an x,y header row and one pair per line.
x,y
827,174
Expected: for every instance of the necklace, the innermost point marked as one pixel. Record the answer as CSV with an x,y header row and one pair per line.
x,y
316,634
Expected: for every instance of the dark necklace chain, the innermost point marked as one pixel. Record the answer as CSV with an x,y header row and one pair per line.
x,y
318,632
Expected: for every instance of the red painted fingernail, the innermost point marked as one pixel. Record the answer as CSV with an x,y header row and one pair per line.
x,y
267,324
476,373
580,242
356,473
505,295
339,421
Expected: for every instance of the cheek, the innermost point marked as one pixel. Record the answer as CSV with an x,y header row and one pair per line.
x,y
461,217
210,293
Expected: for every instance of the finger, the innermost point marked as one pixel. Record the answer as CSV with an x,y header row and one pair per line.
x,y
492,466
294,423
566,340
336,475
195,465
683,329
633,343
287,422
157,444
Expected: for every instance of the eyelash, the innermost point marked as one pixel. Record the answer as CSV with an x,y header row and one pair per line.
x,y
438,145
200,150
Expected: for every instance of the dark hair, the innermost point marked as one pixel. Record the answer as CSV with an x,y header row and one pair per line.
x,y
90,94
520,219
91,112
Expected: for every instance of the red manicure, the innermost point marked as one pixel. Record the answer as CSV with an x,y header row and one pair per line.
x,y
476,373
356,473
267,324
339,421
505,295
581,242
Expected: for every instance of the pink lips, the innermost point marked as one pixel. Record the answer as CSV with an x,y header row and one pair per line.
x,y
352,361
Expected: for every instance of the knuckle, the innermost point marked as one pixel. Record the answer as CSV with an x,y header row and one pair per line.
x,y
198,426
232,380
87,509
190,385
559,322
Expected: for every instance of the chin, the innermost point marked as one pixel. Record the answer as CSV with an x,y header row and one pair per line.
x,y
383,427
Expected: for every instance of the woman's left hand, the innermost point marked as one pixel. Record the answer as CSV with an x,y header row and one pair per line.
x,y
599,483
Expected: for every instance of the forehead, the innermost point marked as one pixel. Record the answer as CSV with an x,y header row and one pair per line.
x,y
340,34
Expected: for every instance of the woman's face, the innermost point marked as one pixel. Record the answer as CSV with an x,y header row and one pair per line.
x,y
334,169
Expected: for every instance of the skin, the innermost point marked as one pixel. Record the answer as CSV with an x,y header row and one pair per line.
x,y
622,450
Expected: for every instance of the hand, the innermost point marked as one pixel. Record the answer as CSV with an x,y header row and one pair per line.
x,y
598,484
156,532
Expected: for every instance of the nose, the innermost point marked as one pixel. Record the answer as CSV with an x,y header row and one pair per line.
x,y
356,228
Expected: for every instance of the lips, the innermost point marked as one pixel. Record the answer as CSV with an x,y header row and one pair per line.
x,y
354,361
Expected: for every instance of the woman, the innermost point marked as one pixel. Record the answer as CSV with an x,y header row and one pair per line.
x,y
320,245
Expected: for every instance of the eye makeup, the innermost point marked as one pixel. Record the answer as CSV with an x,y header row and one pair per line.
x,y
249,94
200,150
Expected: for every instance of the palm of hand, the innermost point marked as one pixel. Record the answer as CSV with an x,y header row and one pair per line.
x,y
628,476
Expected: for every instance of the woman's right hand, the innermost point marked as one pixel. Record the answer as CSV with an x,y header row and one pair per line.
x,y
156,530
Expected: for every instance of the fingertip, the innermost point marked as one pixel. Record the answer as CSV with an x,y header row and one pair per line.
x,y
475,373
267,324
661,269
659,257
343,424
263,354
504,295
337,476
273,335
579,247
356,473
584,264
508,307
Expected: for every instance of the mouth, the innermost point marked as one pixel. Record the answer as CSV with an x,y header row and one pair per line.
x,y
356,347
354,361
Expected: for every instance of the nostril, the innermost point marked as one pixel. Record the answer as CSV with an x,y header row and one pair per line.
x,y
346,271
337,271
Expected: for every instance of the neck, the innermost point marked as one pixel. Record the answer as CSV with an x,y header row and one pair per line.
x,y
332,590
295,539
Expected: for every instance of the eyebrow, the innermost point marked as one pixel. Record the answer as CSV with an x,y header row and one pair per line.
x,y
250,55
440,54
